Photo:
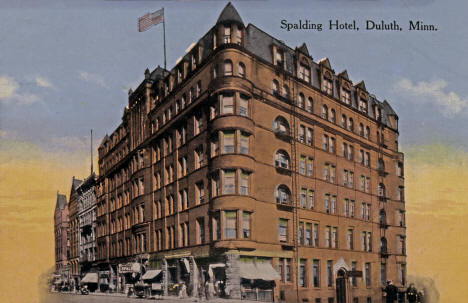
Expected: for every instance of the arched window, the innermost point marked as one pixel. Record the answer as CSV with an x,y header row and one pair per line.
x,y
285,91
281,125
324,112
367,132
332,115
361,129
300,100
282,159
310,105
282,194
227,68
381,190
351,124
274,87
343,121
241,70
383,245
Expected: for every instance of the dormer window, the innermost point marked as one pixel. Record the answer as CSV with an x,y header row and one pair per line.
x,y
304,73
346,96
327,86
362,105
279,56
227,34
378,113
194,62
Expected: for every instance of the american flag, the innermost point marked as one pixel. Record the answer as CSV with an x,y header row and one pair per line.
x,y
150,19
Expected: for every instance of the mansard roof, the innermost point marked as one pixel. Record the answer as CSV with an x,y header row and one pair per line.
x,y
229,15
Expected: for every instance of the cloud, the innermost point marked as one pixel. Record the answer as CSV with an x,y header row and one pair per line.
x,y
43,82
434,92
8,86
9,92
92,78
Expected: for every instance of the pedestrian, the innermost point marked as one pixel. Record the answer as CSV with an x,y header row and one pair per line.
x,y
391,292
182,291
412,293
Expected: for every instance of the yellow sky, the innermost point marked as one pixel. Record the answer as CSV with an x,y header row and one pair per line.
x,y
436,194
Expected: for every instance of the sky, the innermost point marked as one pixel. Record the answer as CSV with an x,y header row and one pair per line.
x,y
66,67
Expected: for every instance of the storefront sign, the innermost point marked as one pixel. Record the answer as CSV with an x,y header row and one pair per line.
x,y
125,268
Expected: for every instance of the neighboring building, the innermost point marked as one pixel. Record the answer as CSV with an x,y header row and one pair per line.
x,y
74,231
86,210
250,161
61,236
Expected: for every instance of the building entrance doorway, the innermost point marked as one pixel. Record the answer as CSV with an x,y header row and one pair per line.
x,y
341,286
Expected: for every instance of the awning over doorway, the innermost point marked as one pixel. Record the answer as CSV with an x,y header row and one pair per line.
x,y
151,274
259,271
91,277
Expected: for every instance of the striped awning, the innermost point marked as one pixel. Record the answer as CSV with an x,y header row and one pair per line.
x,y
151,274
91,277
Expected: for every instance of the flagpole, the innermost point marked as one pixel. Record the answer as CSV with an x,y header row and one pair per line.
x,y
164,37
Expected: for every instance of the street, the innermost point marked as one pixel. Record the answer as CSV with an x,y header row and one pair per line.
x,y
105,298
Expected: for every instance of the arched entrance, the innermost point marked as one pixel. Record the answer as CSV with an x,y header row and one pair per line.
x,y
341,278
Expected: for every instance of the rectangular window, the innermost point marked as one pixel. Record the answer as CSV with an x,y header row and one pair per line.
x,y
334,237
326,203
383,273
227,104
309,136
303,197
315,234
367,274
308,234
310,199
302,273
228,141
329,273
227,34
326,238
244,143
346,96
353,268
350,239
216,227
316,273
246,225
243,105
199,192
302,165
200,230
283,230
229,182
230,224
327,86
301,133
244,183
214,146
300,233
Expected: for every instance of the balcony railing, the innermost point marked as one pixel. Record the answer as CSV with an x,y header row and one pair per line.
x,y
283,135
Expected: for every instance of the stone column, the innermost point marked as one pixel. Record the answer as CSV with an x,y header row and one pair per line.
x,y
232,276
193,278
165,276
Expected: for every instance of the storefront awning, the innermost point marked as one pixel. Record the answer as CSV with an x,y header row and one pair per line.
x,y
91,277
151,274
259,271
248,270
267,272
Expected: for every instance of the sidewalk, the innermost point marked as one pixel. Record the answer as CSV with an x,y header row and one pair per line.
x,y
162,298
